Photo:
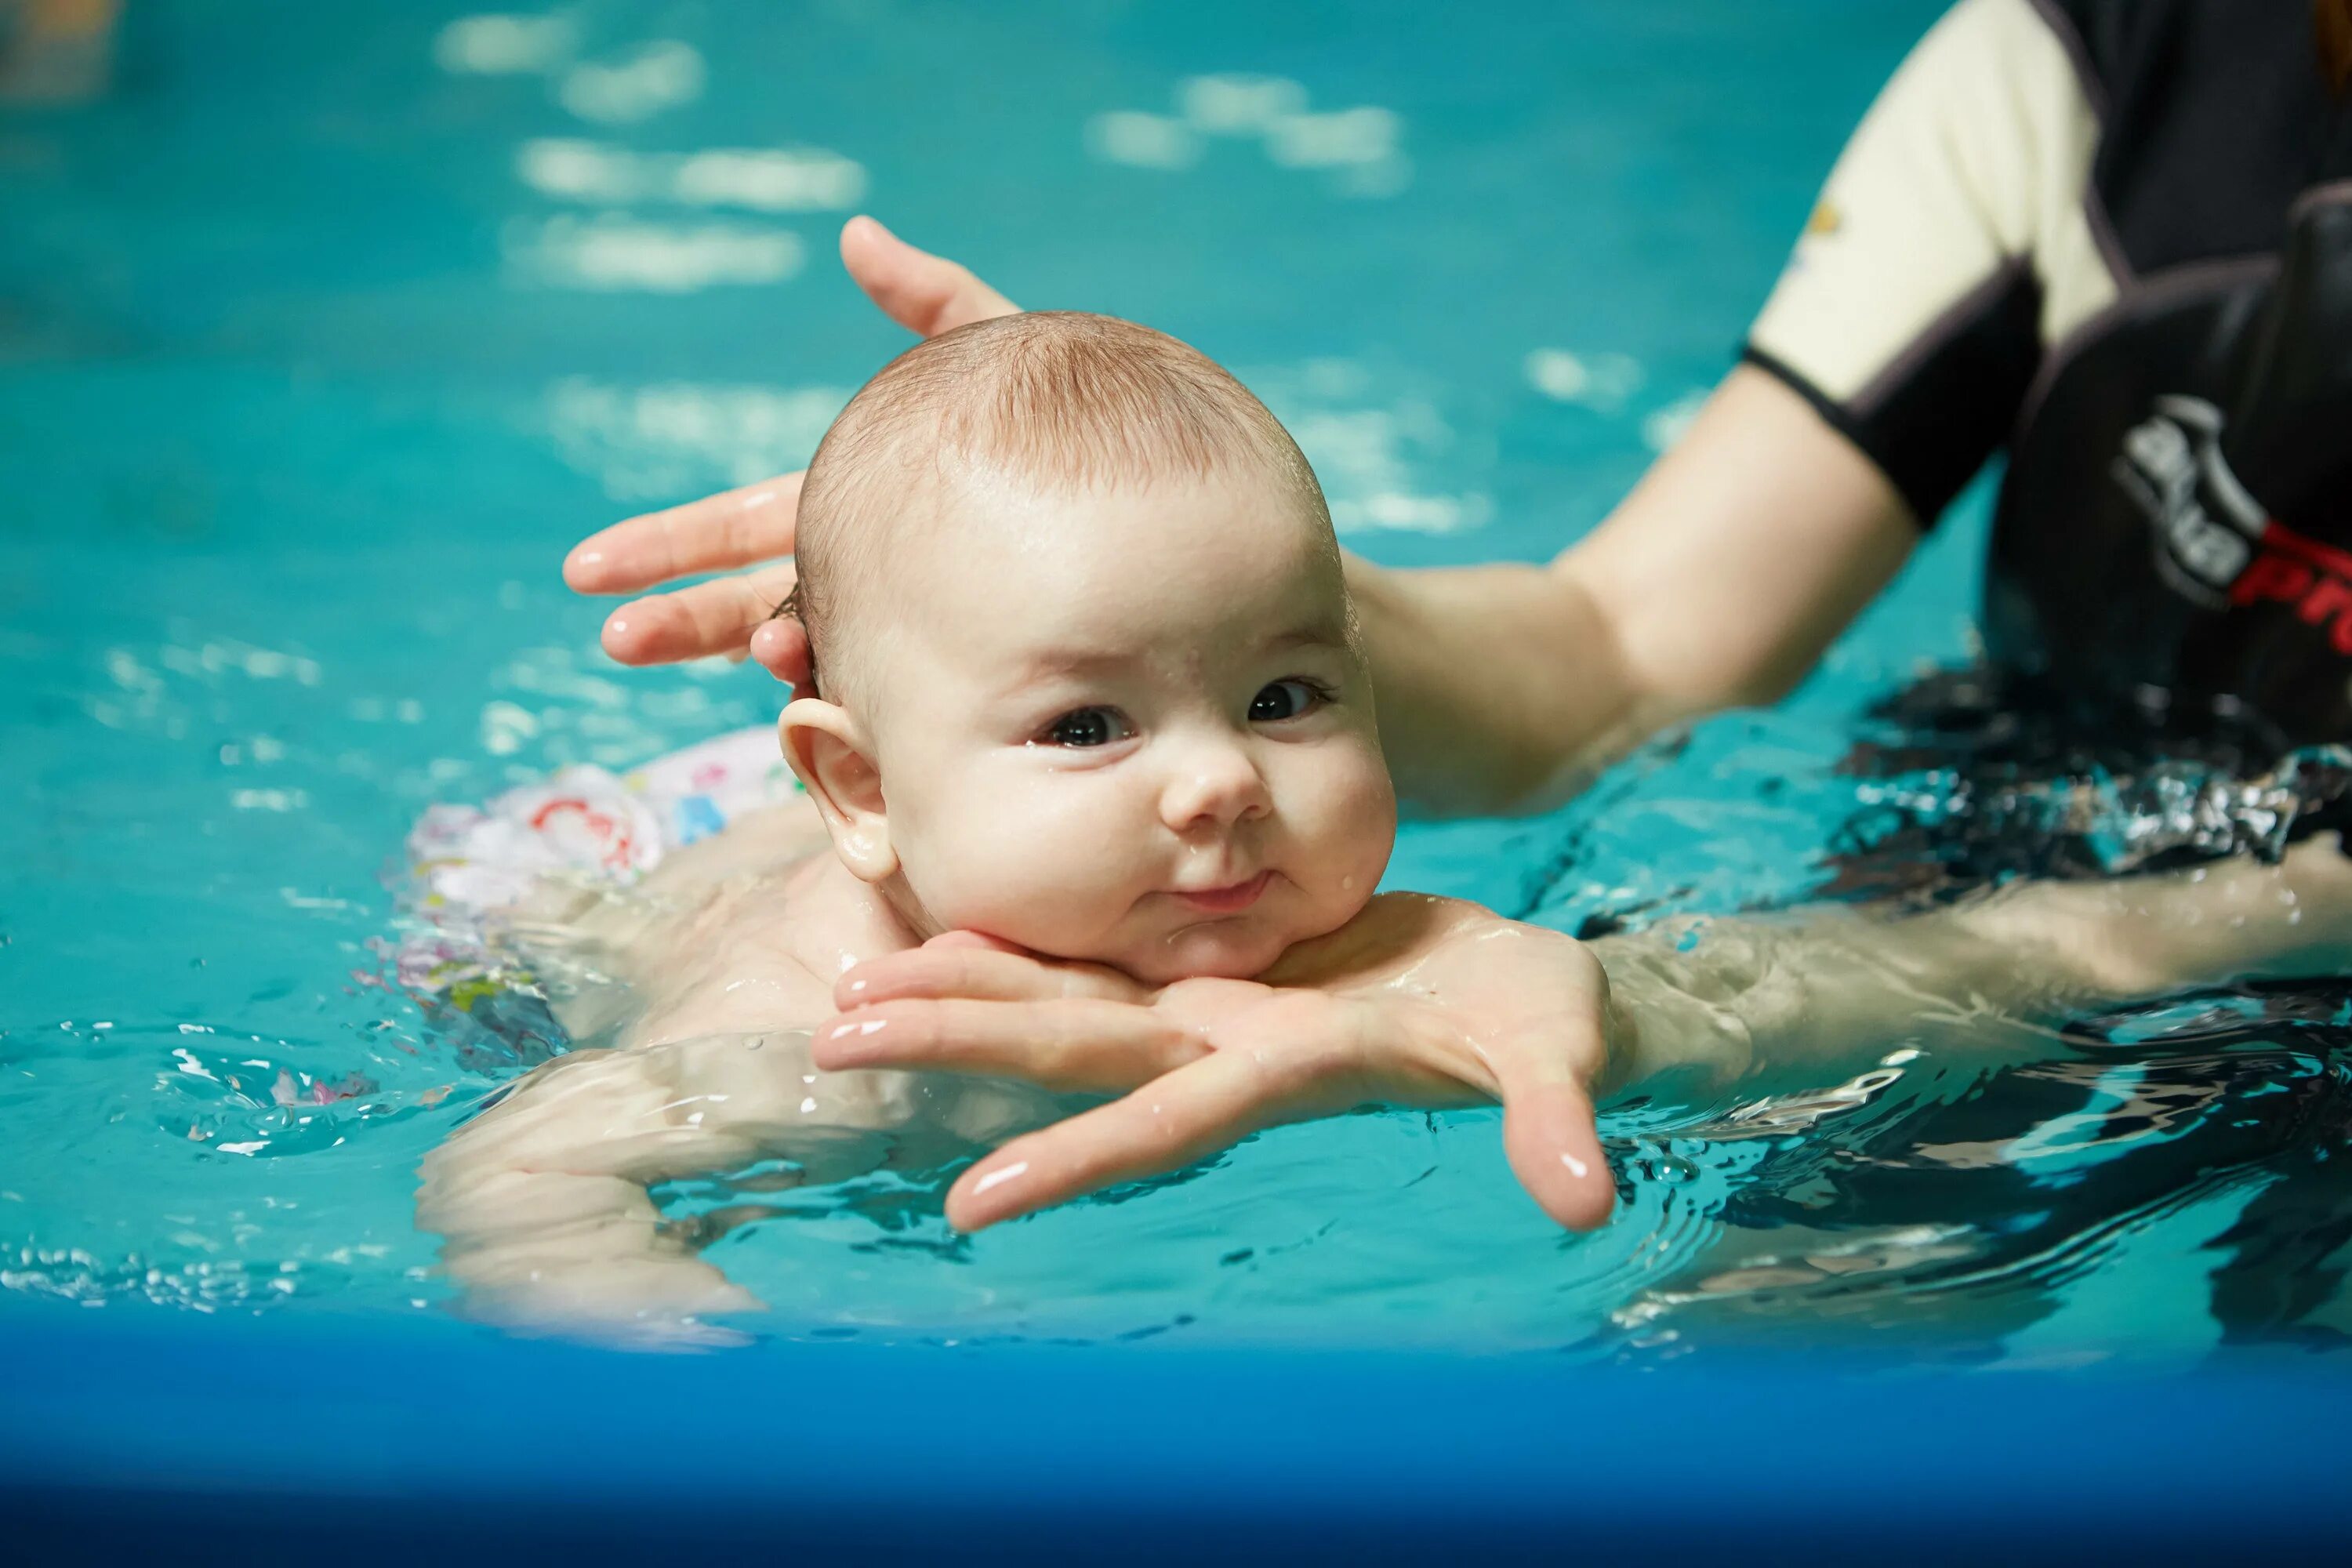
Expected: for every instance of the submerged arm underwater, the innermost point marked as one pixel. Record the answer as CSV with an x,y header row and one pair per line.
x,y
692,1017
541,1200
544,1201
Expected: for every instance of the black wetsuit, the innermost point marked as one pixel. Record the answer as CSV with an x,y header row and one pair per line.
x,y
2112,238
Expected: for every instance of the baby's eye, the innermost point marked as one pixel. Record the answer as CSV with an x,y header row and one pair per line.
x,y
1287,699
1083,727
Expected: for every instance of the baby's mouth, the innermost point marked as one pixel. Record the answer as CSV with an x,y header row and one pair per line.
x,y
1230,899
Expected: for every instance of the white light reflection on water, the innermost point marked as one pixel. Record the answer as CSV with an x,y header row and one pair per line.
x,y
675,438
1608,383
1664,426
616,251
612,252
1602,381
658,76
1360,147
1375,449
757,179
1238,105
505,44
1142,141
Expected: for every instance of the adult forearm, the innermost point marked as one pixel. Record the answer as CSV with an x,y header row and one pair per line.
x,y
1500,688
1831,991
1716,583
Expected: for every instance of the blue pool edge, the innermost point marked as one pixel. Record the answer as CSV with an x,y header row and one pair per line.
x,y
377,1438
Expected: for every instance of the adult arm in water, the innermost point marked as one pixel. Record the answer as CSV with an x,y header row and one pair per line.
x,y
1738,1001
1717,583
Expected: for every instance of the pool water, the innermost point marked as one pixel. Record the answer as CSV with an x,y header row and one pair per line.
x,y
325,334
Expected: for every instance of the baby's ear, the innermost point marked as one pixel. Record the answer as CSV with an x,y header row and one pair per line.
x,y
833,760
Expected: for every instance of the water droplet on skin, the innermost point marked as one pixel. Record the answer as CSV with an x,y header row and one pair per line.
x,y
1576,1168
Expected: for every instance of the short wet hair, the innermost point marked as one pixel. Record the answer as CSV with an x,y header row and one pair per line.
x,y
1061,400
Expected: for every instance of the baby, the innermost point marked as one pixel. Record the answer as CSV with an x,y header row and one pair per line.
x,y
1088,683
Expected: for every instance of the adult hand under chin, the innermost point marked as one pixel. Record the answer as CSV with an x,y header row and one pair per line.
x,y
1201,1064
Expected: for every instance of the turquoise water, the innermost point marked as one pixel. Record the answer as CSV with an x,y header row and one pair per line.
x,y
325,334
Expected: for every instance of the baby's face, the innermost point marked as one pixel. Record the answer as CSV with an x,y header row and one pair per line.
x,y
1129,728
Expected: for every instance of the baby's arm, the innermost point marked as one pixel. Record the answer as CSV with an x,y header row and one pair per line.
x,y
541,1200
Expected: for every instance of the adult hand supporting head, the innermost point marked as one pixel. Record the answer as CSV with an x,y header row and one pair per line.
x,y
1203,1063
753,526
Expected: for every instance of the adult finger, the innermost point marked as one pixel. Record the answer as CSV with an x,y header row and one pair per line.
x,y
923,293
714,617
1170,1122
977,939
1088,1045
1550,1138
782,647
940,970
716,533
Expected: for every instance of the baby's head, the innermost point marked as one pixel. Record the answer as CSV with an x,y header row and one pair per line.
x,y
1091,681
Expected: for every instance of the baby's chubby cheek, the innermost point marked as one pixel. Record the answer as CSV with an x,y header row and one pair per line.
x,y
1343,831
1081,874
1047,878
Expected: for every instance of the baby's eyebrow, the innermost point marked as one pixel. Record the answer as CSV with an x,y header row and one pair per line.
x,y
1306,636
1082,662
1074,661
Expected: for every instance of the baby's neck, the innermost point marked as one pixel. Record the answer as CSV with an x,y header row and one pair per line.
x,y
839,920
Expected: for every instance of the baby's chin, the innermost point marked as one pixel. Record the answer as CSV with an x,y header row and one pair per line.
x,y
1157,947
1239,949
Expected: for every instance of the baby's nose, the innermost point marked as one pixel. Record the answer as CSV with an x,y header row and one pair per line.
x,y
1213,784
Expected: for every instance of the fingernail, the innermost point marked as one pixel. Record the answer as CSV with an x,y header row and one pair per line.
x,y
997,1178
